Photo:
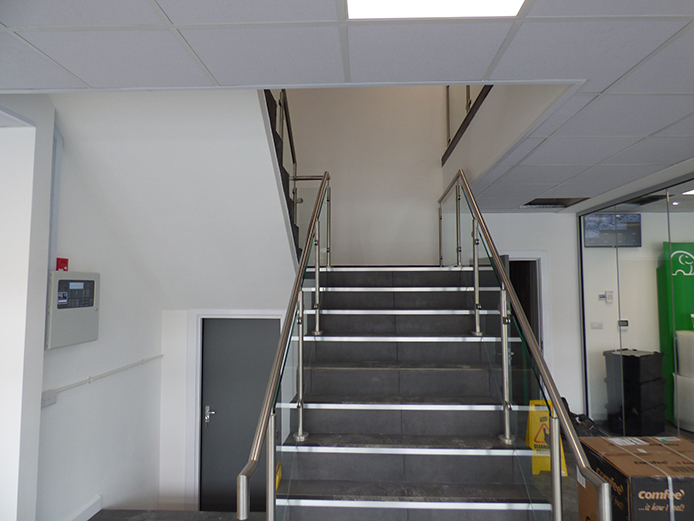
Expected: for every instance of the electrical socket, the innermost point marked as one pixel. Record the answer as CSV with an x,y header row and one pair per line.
x,y
49,397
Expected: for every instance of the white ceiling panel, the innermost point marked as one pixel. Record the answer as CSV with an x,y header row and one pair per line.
x,y
122,58
563,114
423,51
612,8
25,68
579,190
522,149
638,115
539,174
77,13
243,11
610,174
577,151
487,204
523,191
657,151
600,51
682,128
257,56
669,71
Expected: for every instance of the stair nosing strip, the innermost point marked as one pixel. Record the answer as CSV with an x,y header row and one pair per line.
x,y
342,338
399,289
419,505
424,312
433,269
409,451
404,407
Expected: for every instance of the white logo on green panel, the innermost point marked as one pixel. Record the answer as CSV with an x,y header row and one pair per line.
x,y
682,262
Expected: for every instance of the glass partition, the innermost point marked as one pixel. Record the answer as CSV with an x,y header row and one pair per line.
x,y
637,305
514,380
448,230
676,305
281,420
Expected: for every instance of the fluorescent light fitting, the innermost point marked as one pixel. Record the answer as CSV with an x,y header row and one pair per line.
x,y
675,203
690,192
398,9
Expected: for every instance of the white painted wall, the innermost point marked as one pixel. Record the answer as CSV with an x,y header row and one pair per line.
x,y
24,223
552,238
382,147
17,152
102,439
174,198
636,294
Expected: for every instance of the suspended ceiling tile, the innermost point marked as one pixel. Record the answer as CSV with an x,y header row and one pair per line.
x,y
543,173
612,8
578,151
610,174
522,149
669,71
487,204
682,128
77,13
523,191
24,68
657,151
262,56
627,115
423,51
563,114
122,59
600,51
579,190
243,11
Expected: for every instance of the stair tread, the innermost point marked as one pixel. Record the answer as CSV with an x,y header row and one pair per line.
x,y
486,442
387,491
400,400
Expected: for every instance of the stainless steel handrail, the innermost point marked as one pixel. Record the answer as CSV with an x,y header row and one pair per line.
x,y
603,487
242,489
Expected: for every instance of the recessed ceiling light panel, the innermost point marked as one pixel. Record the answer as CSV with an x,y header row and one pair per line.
x,y
398,9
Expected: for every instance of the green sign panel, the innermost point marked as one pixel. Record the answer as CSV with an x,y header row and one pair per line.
x,y
675,307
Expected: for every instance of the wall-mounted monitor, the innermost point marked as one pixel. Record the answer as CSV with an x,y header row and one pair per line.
x,y
607,230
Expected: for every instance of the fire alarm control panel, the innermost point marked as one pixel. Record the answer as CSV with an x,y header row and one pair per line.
x,y
73,308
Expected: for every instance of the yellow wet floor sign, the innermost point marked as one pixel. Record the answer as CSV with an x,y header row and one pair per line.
x,y
537,437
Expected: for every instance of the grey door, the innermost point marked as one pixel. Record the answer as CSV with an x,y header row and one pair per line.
x,y
237,356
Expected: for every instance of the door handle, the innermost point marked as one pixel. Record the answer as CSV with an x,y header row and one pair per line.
x,y
208,414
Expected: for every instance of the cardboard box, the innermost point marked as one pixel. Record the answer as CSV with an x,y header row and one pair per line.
x,y
650,477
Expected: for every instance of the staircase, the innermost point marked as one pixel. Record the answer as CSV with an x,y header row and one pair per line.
x,y
403,404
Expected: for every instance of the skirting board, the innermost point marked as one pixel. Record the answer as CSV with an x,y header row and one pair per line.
x,y
87,511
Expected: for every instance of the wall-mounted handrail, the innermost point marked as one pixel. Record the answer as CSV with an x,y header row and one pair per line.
x,y
276,372
602,486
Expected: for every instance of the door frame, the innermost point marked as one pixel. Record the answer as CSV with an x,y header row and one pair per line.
x,y
541,257
194,389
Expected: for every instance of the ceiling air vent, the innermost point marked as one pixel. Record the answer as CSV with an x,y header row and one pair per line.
x,y
556,204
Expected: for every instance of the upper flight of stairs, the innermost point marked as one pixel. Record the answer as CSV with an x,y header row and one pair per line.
x,y
403,405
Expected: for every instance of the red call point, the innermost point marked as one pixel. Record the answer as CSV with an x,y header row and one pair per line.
x,y
61,264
